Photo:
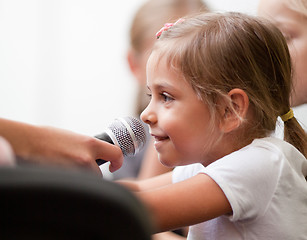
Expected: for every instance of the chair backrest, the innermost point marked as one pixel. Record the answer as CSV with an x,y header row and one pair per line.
x,y
48,203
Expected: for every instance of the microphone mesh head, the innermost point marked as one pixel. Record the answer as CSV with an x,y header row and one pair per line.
x,y
129,134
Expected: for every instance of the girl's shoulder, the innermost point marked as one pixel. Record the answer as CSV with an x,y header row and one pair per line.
x,y
286,153
278,146
264,155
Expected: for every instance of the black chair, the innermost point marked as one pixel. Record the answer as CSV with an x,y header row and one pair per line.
x,y
48,203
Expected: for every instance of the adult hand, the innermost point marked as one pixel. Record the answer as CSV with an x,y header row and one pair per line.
x,y
66,147
7,157
51,145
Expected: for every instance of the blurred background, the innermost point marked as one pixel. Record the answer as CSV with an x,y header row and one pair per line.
x,y
63,62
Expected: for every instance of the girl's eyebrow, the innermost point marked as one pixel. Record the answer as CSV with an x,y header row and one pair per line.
x,y
163,85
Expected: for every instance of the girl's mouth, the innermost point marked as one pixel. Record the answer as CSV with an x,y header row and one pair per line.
x,y
158,139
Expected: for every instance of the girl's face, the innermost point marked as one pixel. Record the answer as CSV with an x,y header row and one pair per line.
x,y
178,120
294,27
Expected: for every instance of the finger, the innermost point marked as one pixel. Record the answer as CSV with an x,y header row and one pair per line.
x,y
111,153
115,165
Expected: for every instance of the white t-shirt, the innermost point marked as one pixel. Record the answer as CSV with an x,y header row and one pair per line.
x,y
264,183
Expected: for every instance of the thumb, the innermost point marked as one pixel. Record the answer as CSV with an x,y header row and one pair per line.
x,y
111,153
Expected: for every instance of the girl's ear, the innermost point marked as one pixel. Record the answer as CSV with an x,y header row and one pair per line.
x,y
232,116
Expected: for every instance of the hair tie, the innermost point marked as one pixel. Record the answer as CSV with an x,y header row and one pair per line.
x,y
168,26
287,116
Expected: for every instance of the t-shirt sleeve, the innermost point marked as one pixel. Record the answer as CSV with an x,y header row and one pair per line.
x,y
248,179
182,173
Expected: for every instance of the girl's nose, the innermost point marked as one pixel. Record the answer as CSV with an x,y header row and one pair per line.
x,y
148,116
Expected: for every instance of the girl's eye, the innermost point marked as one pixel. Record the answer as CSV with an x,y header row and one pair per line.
x,y
166,97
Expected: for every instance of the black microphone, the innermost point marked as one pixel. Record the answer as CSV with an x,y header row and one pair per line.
x,y
128,133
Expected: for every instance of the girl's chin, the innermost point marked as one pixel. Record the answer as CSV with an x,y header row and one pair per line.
x,y
174,162
167,162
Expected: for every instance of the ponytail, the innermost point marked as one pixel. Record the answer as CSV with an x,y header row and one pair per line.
x,y
295,135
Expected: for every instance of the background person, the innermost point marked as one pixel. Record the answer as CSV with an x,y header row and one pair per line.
x,y
290,16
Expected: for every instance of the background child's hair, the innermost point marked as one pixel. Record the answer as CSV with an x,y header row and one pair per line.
x,y
299,6
154,13
148,20
219,52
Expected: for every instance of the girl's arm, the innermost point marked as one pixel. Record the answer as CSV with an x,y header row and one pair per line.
x,y
167,236
147,184
185,203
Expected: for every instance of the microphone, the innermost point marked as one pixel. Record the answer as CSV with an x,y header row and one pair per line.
x,y
128,133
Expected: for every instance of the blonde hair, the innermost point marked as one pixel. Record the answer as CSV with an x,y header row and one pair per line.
x,y
148,20
154,13
219,52
299,6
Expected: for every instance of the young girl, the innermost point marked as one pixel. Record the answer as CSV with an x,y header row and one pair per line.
x,y
217,83
148,18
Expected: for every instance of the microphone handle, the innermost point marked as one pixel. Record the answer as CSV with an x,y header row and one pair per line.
x,y
104,137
